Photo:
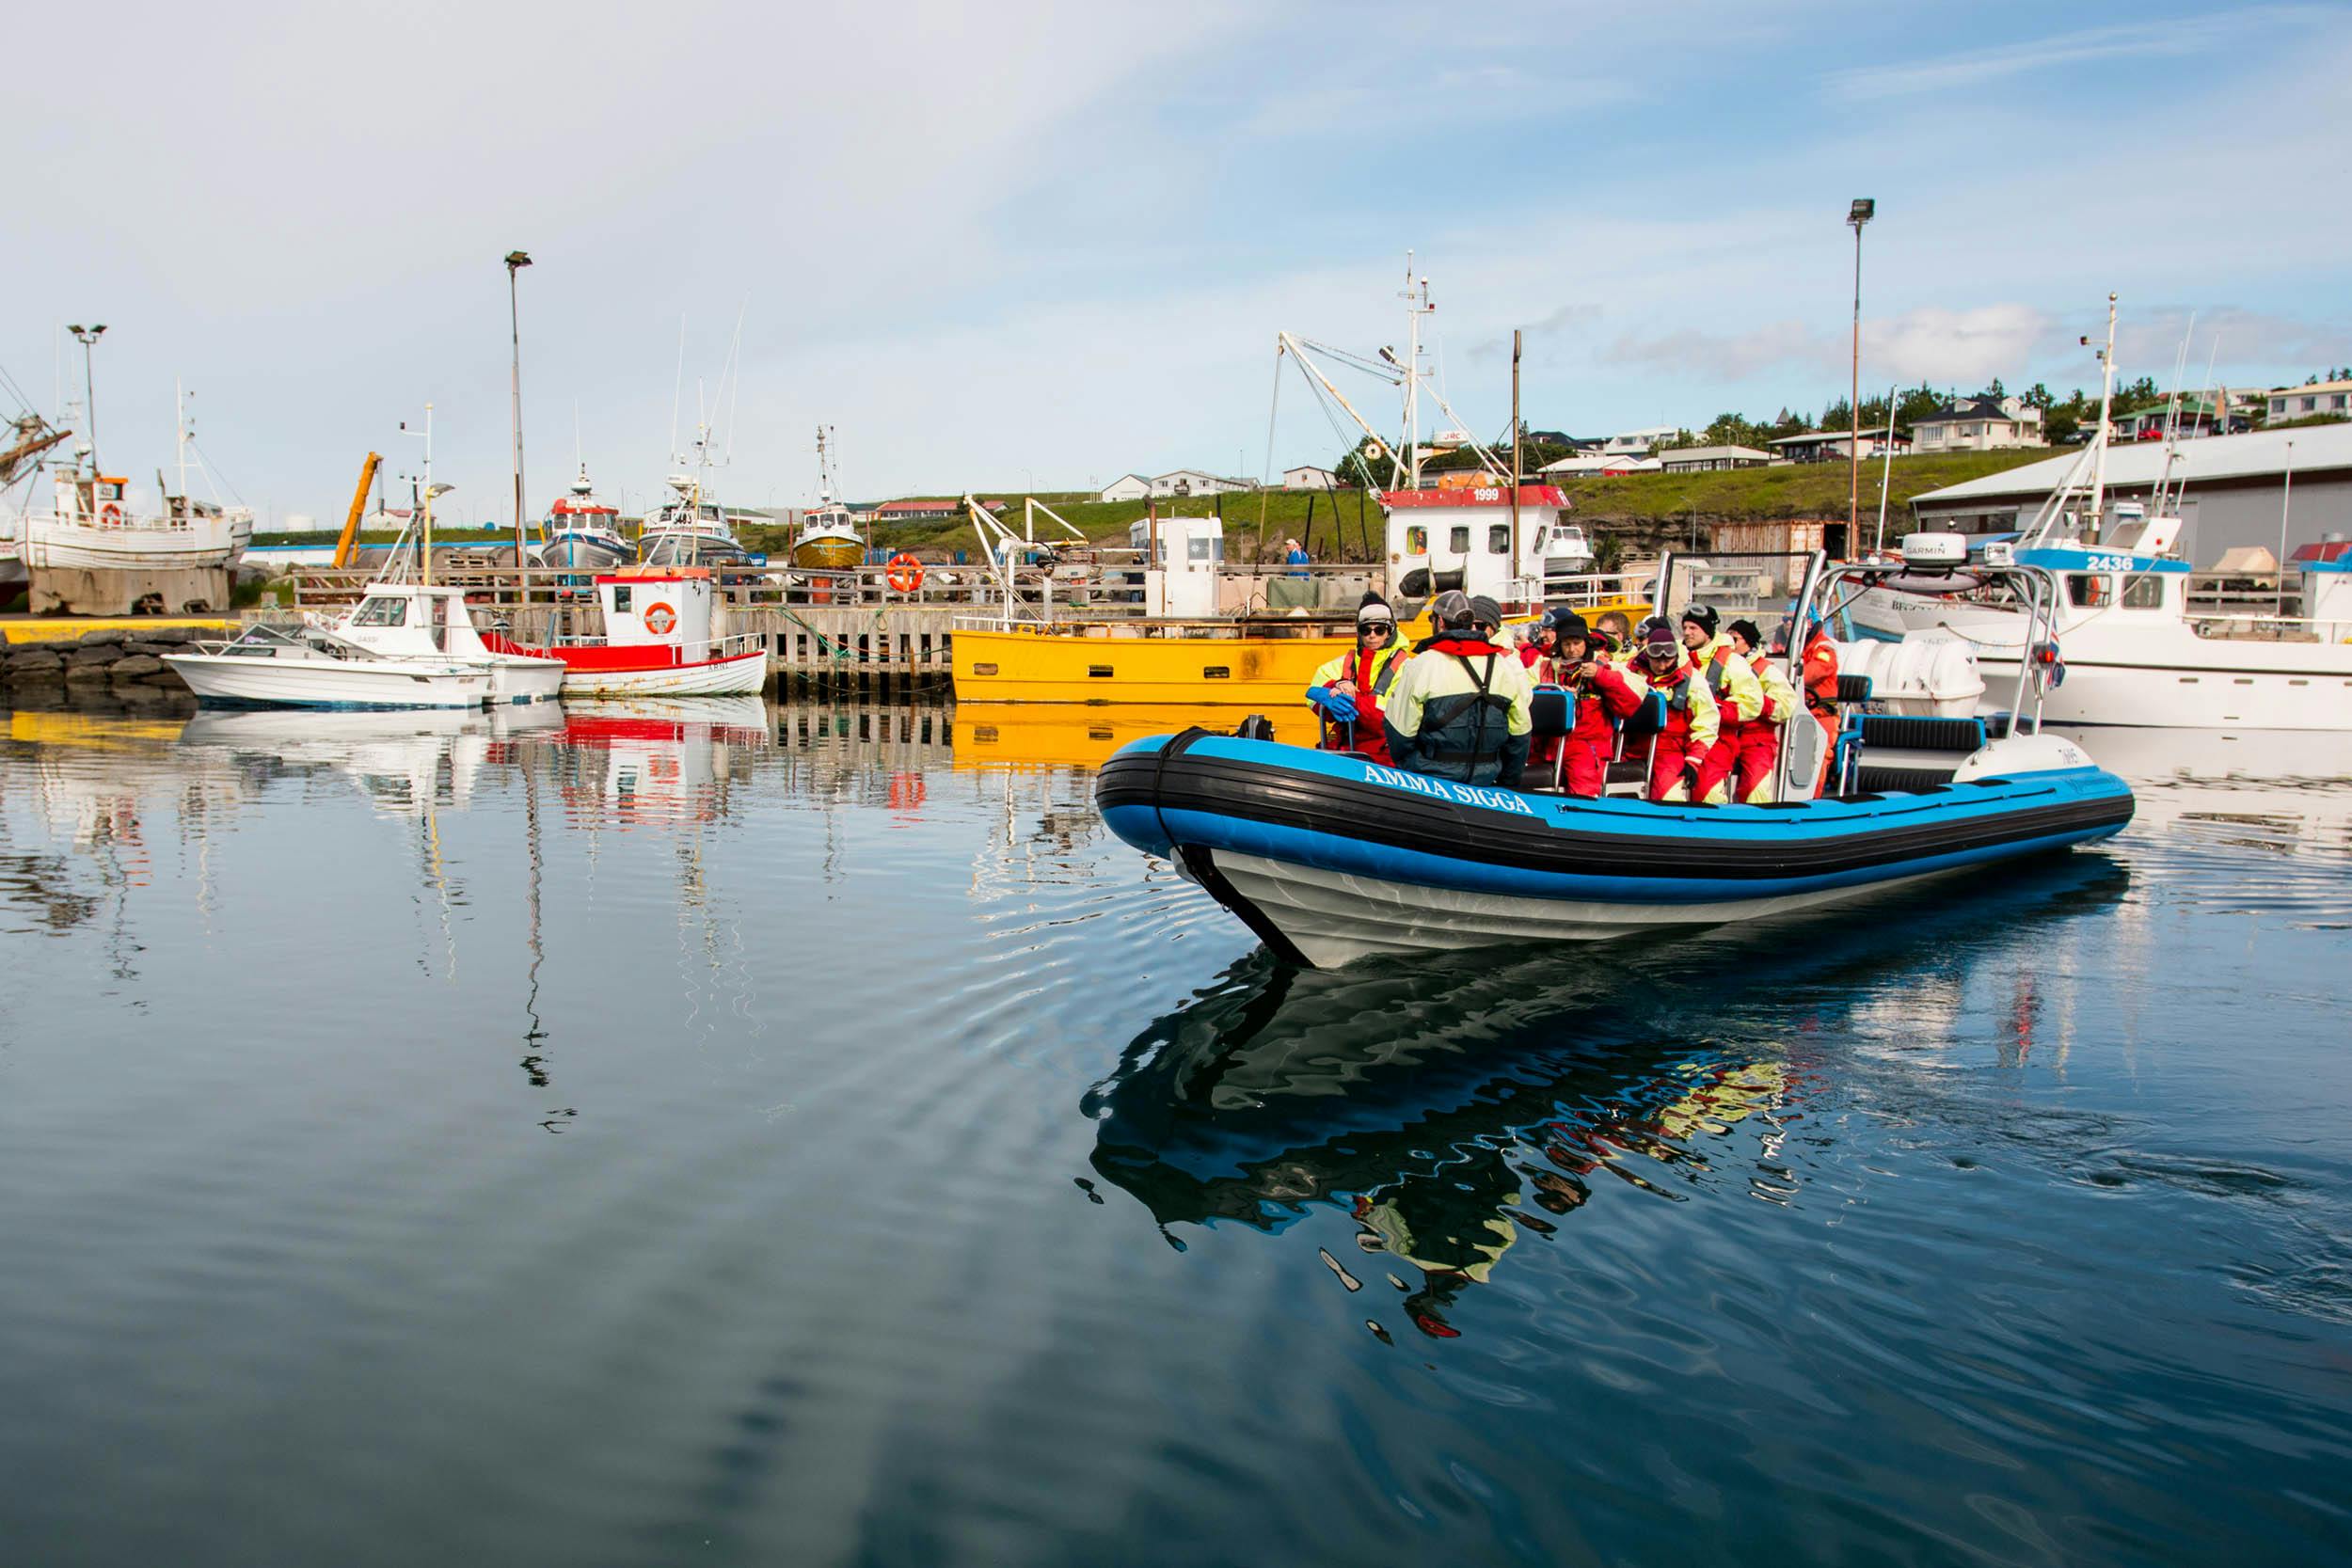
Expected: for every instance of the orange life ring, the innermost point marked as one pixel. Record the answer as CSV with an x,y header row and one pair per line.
x,y
660,619
906,573
110,514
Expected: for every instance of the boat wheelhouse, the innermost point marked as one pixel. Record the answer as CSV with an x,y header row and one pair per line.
x,y
583,532
663,637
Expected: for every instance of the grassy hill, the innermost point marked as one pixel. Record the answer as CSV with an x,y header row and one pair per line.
x,y
1790,490
1334,531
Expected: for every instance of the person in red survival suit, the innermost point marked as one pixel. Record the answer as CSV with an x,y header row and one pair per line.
x,y
1606,694
1819,690
1679,749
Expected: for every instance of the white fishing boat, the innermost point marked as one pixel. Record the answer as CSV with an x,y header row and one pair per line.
x,y
583,533
2137,645
106,548
663,636
404,644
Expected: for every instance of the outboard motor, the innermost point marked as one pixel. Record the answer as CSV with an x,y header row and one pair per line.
x,y
1256,727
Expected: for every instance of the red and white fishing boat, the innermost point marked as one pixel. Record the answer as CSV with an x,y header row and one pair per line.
x,y
661,639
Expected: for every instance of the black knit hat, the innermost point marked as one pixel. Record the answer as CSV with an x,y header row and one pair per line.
x,y
1746,631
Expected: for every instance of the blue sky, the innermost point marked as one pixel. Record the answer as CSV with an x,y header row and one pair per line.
x,y
1044,241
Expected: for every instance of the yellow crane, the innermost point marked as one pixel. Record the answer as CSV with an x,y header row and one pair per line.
x,y
350,540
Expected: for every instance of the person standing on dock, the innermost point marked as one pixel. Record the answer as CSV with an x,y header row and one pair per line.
x,y
1348,690
1295,557
1463,708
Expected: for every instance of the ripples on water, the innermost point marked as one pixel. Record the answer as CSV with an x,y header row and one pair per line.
x,y
800,1134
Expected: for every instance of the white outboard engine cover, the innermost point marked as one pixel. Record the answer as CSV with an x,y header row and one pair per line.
x,y
1931,675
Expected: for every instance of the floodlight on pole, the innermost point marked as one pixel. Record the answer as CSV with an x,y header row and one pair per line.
x,y
515,261
1862,212
87,337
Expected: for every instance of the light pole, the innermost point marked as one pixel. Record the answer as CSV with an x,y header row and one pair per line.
x,y
88,335
1863,210
515,261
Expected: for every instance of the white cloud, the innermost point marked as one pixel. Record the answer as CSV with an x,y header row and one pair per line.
x,y
2174,38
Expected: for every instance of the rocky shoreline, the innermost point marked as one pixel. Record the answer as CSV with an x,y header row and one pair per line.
x,y
108,658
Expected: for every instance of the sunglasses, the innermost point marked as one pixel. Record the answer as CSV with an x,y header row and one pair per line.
x,y
1382,628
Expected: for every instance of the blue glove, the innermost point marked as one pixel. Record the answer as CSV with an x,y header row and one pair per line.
x,y
1336,706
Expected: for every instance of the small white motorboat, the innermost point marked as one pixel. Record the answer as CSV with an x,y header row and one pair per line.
x,y
402,646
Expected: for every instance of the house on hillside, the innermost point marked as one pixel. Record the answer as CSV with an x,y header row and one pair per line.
x,y
1126,487
1192,482
1308,477
1595,466
1830,446
2194,416
2303,402
1979,424
916,511
1636,443
1699,460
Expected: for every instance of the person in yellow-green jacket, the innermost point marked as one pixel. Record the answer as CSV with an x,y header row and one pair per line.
x,y
1463,708
1738,698
1348,690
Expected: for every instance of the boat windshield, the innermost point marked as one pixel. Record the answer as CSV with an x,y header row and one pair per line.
x,y
382,613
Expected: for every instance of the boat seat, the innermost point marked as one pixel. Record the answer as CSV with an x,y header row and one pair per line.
x,y
1551,711
1916,733
1902,781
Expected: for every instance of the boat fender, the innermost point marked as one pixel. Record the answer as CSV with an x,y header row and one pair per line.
x,y
906,573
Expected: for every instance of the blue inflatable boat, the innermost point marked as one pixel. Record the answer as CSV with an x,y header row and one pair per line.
x,y
1329,857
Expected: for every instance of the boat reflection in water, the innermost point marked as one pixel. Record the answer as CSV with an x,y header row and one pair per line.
x,y
652,760
1049,734
1454,1106
397,756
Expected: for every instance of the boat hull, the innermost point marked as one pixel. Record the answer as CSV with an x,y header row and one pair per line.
x,y
828,555
525,679
330,683
1330,858
742,674
71,547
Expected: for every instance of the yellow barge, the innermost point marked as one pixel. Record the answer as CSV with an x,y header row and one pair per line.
x,y
1477,540
1226,664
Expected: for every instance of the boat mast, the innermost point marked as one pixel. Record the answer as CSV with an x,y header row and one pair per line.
x,y
180,441
2107,401
424,519
1416,297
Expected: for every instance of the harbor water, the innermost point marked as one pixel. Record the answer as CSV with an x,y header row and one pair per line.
x,y
743,1134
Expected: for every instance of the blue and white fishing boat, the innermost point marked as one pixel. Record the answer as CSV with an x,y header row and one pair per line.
x,y
1330,857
